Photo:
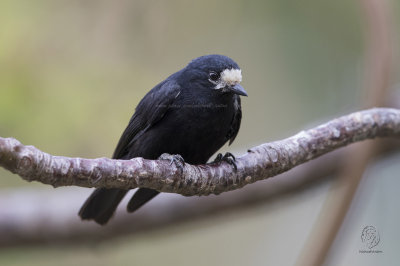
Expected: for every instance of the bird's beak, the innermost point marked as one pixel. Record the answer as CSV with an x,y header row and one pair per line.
x,y
238,89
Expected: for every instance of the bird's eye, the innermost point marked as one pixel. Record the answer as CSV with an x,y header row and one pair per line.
x,y
213,76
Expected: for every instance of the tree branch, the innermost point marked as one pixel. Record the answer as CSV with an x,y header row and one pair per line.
x,y
259,163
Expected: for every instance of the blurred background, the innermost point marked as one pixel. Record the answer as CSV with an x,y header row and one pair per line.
x,y
72,72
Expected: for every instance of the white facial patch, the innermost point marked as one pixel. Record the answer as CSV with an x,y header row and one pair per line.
x,y
231,76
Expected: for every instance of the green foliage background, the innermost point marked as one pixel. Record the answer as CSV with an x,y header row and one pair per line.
x,y
72,72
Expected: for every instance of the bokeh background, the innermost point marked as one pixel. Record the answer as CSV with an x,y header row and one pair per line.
x,y
72,72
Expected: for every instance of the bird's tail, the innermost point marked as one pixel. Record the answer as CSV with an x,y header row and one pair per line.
x,y
141,196
101,204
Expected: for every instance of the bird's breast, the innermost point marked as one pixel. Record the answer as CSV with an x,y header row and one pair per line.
x,y
194,128
197,129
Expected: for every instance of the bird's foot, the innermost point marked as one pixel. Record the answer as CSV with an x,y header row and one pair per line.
x,y
228,157
173,159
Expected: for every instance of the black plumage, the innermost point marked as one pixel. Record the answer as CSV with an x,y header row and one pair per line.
x,y
192,113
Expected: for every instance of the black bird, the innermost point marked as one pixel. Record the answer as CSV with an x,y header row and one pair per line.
x,y
190,115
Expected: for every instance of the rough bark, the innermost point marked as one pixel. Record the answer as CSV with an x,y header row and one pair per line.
x,y
258,163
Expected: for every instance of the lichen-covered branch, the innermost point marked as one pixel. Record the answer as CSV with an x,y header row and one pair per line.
x,y
258,163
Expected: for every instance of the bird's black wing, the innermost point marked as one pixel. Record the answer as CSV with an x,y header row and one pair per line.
x,y
102,203
149,111
237,118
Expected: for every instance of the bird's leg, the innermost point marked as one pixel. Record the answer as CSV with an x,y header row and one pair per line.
x,y
228,157
173,159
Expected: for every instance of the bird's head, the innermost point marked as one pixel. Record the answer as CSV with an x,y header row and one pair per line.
x,y
216,72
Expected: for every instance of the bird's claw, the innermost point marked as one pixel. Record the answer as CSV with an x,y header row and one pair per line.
x,y
173,159
228,157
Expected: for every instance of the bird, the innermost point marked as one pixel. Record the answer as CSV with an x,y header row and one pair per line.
x,y
187,117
